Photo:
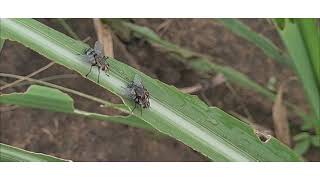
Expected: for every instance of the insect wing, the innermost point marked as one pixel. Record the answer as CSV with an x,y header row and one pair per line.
x,y
87,58
129,91
137,81
98,47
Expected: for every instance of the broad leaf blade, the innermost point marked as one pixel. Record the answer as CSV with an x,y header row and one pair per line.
x,y
40,97
207,130
13,154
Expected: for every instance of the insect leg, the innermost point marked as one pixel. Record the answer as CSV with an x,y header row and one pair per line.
x,y
98,74
89,70
135,105
107,66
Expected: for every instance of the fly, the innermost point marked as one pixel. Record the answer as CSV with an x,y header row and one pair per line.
x,y
138,93
97,58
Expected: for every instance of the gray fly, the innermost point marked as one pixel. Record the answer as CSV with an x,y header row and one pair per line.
x,y
138,93
97,58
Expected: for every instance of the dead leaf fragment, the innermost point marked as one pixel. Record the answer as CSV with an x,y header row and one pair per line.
x,y
280,119
104,36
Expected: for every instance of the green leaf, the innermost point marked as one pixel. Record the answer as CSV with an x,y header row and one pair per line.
x,y
315,140
208,130
280,22
259,40
13,154
54,100
40,97
298,49
308,124
66,26
310,32
302,146
301,136
1,44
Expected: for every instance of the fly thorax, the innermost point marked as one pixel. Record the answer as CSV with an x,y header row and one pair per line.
x,y
89,52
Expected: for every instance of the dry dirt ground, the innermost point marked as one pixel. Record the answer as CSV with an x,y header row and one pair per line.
x,y
81,139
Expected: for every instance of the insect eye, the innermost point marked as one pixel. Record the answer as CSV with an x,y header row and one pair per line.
x,y
103,68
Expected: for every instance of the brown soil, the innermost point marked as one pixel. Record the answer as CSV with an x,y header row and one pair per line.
x,y
80,139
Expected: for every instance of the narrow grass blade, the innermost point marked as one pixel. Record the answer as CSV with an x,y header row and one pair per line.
x,y
244,31
208,130
42,97
310,32
13,154
66,26
1,44
294,40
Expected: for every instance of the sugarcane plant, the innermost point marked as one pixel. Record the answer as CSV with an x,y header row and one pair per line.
x,y
163,108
